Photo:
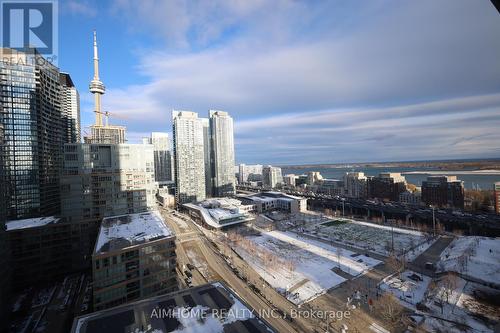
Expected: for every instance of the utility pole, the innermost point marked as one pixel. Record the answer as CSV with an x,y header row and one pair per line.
x,y
343,212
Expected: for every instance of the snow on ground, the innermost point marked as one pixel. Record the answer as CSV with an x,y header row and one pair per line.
x,y
351,263
180,222
480,300
311,274
446,300
432,324
418,250
407,287
201,265
388,228
373,237
472,256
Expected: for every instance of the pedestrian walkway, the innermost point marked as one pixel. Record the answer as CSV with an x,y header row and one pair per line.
x,y
431,255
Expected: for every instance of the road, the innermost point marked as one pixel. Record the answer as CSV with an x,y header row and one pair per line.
x,y
243,275
219,265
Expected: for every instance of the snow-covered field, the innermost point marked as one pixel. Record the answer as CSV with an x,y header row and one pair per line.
x,y
476,257
460,304
409,291
306,265
373,237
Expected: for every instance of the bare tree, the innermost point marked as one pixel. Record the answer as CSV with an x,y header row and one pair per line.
x,y
449,283
396,263
338,251
390,309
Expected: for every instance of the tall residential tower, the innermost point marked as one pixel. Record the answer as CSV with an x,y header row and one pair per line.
x,y
34,132
189,157
163,156
70,105
222,153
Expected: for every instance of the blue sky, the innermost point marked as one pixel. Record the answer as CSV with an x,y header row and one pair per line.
x,y
305,81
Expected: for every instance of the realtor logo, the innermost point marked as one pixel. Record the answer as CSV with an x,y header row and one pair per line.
x,y
30,24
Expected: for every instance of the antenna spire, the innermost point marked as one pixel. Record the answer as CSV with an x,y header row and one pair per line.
x,y
96,86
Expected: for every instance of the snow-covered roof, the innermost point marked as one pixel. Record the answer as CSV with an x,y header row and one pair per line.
x,y
212,221
262,199
207,308
122,231
222,214
31,223
272,195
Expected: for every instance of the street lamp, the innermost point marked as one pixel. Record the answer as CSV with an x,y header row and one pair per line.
x,y
433,221
392,235
343,202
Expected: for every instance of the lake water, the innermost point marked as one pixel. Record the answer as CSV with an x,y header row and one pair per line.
x,y
484,182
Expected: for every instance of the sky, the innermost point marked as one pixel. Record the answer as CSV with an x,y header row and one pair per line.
x,y
305,81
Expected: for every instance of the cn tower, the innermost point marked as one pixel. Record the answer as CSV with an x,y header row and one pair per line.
x,y
96,86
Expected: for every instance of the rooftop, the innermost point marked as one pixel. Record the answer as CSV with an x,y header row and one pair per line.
x,y
123,231
219,216
208,308
31,223
223,214
266,196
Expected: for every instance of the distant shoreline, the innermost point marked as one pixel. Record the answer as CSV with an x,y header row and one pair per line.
x,y
451,172
486,165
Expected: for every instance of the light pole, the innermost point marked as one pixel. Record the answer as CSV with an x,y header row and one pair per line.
x,y
392,235
433,222
343,202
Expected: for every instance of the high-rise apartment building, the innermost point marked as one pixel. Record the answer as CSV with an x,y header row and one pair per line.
x,y
189,157
207,157
5,267
290,179
355,185
222,153
314,177
443,191
70,107
102,132
101,180
45,249
242,174
386,186
162,156
271,176
496,193
134,258
248,173
34,133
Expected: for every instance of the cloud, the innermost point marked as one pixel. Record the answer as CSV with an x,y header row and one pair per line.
x,y
198,23
325,79
78,8
466,129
